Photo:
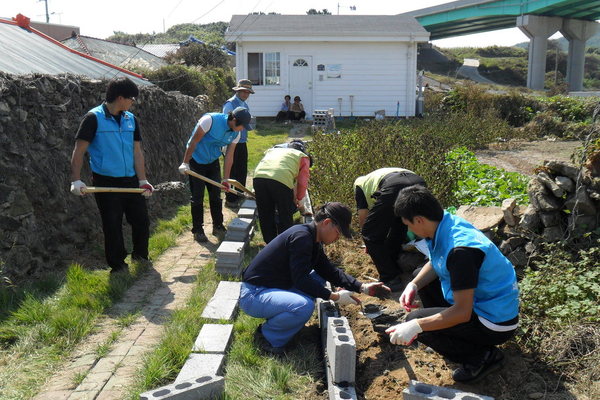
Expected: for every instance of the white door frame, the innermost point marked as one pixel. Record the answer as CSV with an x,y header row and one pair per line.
x,y
310,102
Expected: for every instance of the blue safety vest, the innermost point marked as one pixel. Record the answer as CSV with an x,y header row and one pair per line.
x,y
111,151
235,103
209,147
496,296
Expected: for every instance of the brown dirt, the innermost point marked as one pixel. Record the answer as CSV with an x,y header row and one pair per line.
x,y
383,370
524,157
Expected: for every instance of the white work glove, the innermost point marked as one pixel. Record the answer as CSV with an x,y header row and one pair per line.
x,y
404,333
183,168
77,187
144,184
407,298
346,298
373,288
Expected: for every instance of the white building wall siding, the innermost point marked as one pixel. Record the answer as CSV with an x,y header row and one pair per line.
x,y
380,76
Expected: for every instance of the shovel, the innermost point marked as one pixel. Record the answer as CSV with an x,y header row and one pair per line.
x,y
241,187
99,189
215,183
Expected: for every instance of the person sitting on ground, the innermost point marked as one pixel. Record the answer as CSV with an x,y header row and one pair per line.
x,y
468,290
297,110
383,232
284,111
212,132
280,182
283,280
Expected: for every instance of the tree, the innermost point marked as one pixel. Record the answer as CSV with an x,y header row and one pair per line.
x,y
312,11
199,55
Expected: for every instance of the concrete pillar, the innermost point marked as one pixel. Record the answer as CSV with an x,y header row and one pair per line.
x,y
577,32
538,29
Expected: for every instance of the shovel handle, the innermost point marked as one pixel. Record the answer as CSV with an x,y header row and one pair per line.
x,y
212,182
241,187
99,189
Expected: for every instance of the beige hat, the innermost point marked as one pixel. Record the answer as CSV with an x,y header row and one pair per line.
x,y
244,84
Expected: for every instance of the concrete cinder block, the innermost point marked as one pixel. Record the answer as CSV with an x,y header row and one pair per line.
x,y
419,391
240,224
248,213
214,338
221,309
338,391
325,310
341,350
228,290
229,269
203,387
199,365
248,203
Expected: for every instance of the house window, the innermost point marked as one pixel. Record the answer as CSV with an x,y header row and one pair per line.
x,y
300,63
264,68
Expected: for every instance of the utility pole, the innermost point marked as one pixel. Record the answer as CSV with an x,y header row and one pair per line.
x,y
47,13
353,8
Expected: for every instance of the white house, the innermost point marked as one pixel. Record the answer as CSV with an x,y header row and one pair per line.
x,y
355,64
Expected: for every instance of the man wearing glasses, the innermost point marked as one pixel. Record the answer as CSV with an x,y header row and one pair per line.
x,y
283,280
111,136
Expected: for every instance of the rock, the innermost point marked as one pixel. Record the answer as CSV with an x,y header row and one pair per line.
x,y
530,221
529,247
482,218
518,258
565,183
549,183
594,195
508,206
580,203
540,197
580,224
535,395
511,244
510,231
563,168
552,234
550,218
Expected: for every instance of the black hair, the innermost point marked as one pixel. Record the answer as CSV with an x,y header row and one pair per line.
x,y
287,96
122,86
415,201
300,146
230,116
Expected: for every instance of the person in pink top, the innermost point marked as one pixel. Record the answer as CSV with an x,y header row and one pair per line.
x,y
280,182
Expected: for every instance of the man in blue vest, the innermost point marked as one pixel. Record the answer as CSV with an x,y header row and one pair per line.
x,y
212,132
239,169
468,290
111,136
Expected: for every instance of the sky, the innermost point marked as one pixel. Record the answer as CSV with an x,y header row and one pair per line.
x,y
101,18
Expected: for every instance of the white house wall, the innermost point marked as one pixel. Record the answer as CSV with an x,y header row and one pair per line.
x,y
378,75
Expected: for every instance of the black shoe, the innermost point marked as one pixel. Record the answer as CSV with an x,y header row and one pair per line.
x,y
262,342
140,259
114,269
219,230
395,285
200,237
472,373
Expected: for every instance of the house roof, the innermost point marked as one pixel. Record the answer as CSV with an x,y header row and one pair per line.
x,y
123,55
305,27
26,50
160,50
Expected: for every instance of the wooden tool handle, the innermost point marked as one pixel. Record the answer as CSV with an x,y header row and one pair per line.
x,y
243,188
208,180
98,189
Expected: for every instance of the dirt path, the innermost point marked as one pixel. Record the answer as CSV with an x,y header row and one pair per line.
x,y
160,291
524,157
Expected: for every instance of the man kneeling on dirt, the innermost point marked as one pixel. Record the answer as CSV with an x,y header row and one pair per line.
x,y
468,289
283,280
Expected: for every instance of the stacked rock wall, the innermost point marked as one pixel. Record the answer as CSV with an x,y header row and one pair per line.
x,y
42,225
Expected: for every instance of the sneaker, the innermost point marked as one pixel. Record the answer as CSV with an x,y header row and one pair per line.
x,y
262,343
491,362
200,237
119,268
219,230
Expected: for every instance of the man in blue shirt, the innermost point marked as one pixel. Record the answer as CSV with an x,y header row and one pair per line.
x,y
239,168
468,289
111,136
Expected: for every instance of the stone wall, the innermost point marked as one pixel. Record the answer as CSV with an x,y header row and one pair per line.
x,y
42,225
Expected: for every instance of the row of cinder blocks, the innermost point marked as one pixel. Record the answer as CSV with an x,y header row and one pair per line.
x,y
420,391
230,254
199,378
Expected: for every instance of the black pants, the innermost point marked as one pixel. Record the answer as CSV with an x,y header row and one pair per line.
x,y
464,343
212,171
383,232
112,206
297,116
239,168
284,115
273,197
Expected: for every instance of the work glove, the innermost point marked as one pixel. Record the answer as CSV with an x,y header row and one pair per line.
x,y
346,298
404,333
226,184
144,184
77,188
407,298
183,168
373,288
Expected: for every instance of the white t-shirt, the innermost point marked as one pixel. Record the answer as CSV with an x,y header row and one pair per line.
x,y
206,122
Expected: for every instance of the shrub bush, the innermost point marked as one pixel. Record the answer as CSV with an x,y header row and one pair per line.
x,y
199,55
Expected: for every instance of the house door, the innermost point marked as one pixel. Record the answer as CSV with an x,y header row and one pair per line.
x,y
301,82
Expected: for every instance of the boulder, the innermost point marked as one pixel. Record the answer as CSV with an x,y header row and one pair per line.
x,y
563,168
541,198
565,183
508,206
512,243
549,183
581,203
518,257
482,218
550,218
530,221
552,234
581,224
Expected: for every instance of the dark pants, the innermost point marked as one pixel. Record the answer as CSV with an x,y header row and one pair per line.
x,y
383,232
112,206
212,171
297,116
273,197
239,168
284,115
464,343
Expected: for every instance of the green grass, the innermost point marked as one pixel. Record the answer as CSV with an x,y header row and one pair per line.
x,y
267,134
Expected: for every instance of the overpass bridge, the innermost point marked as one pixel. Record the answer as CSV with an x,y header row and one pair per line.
x,y
537,19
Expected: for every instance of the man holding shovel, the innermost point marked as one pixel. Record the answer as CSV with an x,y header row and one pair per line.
x,y
111,136
212,132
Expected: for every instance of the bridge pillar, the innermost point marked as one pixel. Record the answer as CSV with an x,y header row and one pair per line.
x,y
577,32
538,29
